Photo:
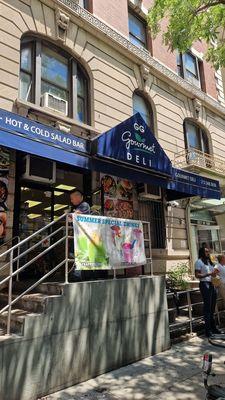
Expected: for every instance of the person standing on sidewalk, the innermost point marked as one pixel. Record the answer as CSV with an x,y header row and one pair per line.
x,y
204,271
221,270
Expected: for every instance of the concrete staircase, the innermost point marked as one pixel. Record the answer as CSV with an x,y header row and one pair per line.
x,y
69,333
31,305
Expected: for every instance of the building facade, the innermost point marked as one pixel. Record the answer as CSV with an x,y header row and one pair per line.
x,y
81,68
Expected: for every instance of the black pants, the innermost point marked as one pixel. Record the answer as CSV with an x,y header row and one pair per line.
x,y
209,295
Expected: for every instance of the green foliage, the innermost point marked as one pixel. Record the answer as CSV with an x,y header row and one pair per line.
x,y
189,21
178,276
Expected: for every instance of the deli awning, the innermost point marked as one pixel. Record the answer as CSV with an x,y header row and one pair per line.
x,y
133,144
186,184
131,151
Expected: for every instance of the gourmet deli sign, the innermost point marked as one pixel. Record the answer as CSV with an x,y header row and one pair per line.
x,y
133,142
41,133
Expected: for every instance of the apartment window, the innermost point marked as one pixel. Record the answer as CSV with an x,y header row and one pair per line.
x,y
195,137
190,68
50,77
144,108
137,30
84,4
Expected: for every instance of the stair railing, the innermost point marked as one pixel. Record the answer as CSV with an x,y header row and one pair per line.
x,y
20,253
16,253
17,238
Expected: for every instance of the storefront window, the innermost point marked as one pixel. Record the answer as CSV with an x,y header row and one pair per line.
x,y
50,78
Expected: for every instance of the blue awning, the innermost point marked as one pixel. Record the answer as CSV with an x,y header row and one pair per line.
x,y
132,143
187,184
182,183
17,141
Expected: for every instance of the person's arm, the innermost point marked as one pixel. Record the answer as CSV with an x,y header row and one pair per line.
x,y
199,274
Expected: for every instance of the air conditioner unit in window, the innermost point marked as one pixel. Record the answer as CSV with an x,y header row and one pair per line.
x,y
55,103
146,191
38,169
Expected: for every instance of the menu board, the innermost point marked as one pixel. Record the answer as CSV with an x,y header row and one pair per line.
x,y
118,197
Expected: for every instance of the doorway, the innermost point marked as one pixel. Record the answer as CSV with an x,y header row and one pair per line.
x,y
37,204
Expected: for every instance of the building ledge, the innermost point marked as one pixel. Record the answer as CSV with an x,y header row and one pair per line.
x,y
50,117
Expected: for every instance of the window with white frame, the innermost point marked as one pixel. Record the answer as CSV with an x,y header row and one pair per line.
x,y
137,30
195,137
51,77
84,4
190,68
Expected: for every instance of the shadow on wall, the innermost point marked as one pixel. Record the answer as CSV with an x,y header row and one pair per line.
x,y
93,328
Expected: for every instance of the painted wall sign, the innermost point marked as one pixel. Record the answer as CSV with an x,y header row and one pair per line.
x,y
133,142
41,133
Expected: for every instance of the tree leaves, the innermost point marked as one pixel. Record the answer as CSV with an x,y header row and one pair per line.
x,y
189,21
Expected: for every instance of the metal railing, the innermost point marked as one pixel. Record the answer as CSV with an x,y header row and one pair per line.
x,y
21,253
194,158
49,233
189,320
17,238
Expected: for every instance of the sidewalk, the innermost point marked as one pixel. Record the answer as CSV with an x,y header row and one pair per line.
x,y
172,375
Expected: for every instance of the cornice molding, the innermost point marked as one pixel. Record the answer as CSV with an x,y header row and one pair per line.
x,y
156,68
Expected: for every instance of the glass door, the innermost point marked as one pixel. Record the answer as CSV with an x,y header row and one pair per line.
x,y
36,209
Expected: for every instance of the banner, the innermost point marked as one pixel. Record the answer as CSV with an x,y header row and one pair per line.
x,y
107,243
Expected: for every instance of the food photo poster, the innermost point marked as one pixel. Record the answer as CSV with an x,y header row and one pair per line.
x,y
118,197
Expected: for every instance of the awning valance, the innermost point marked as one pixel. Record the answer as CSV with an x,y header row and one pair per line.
x,y
18,142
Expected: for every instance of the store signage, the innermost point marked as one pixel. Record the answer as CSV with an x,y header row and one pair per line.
x,y
41,133
193,179
133,142
107,243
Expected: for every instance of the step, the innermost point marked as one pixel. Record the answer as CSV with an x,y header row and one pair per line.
x,y
51,288
17,320
34,302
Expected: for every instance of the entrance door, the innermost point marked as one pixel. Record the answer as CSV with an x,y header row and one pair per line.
x,y
36,208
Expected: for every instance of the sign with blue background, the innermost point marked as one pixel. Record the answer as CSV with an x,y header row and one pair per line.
x,y
41,133
132,142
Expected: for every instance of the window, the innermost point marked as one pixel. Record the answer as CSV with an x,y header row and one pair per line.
x,y
46,70
190,68
140,105
137,30
84,4
153,211
195,137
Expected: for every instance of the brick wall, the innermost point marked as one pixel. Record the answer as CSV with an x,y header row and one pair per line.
x,y
114,13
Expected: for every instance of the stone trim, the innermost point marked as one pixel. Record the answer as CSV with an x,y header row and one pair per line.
x,y
156,67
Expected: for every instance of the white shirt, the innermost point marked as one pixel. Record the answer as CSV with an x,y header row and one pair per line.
x,y
204,269
221,269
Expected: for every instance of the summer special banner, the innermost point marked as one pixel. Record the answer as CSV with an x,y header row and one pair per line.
x,y
107,243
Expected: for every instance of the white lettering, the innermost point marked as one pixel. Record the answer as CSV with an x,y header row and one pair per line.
x,y
129,156
126,137
137,160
